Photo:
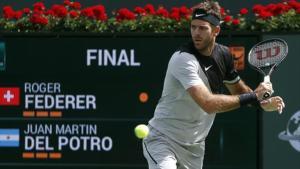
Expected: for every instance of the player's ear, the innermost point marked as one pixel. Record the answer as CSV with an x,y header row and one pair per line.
x,y
216,30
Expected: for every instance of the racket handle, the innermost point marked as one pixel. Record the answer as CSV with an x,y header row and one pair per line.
x,y
267,79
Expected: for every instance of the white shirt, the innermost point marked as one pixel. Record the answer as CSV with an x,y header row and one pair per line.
x,y
177,115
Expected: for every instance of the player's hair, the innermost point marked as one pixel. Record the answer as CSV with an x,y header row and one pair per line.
x,y
210,6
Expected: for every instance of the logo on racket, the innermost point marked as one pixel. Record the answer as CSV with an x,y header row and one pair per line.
x,y
268,53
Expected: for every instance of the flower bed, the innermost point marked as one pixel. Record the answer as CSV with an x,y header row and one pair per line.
x,y
71,16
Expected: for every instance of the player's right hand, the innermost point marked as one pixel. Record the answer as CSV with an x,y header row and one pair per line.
x,y
264,87
273,104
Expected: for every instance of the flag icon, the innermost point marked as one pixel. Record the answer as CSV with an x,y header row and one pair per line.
x,y
9,137
9,96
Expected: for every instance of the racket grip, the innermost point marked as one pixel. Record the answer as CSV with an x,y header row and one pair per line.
x,y
267,79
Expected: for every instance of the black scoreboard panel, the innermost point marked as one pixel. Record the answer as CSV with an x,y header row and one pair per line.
x,y
281,132
73,101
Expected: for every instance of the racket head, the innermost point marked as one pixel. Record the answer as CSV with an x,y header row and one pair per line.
x,y
266,55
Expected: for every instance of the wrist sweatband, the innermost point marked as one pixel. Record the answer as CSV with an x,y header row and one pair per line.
x,y
257,105
247,98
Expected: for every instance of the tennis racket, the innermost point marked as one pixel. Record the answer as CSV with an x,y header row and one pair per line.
x,y
265,56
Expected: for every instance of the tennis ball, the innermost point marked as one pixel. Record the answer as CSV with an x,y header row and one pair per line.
x,y
141,131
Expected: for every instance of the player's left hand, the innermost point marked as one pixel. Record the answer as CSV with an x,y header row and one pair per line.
x,y
273,104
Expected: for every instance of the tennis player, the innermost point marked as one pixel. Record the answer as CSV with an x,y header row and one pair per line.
x,y
192,95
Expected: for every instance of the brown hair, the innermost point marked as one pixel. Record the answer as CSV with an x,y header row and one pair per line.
x,y
210,6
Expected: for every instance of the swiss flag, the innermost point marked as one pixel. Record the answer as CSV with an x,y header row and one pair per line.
x,y
9,96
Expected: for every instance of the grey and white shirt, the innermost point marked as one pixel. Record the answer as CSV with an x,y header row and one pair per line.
x,y
177,115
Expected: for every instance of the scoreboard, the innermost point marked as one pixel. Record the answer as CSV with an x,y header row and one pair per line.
x,y
73,101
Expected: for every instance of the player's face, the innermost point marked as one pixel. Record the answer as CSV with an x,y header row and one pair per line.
x,y
203,34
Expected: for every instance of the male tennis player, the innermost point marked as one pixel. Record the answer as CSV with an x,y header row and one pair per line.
x,y
192,96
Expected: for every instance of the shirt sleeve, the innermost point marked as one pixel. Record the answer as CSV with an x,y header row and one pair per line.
x,y
184,68
231,75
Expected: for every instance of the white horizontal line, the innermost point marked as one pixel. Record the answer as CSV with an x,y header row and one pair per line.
x,y
8,137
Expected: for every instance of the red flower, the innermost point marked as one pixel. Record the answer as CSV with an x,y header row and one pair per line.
x,y
175,10
265,14
36,11
88,12
140,10
150,9
38,19
73,14
271,7
162,12
8,12
175,15
49,12
59,10
281,8
258,8
39,6
18,14
227,18
298,11
294,4
99,12
75,5
125,14
26,10
222,11
184,11
235,21
67,2
243,11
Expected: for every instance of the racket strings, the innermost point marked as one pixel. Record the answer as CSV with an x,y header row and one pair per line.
x,y
268,54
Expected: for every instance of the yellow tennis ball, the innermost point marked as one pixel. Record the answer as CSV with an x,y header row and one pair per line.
x,y
141,131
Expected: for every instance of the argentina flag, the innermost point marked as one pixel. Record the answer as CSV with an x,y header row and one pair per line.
x,y
9,137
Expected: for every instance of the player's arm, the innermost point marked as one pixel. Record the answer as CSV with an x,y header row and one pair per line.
x,y
184,67
272,104
217,103
213,103
238,88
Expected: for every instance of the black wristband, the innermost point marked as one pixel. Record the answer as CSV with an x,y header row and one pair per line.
x,y
248,98
257,105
